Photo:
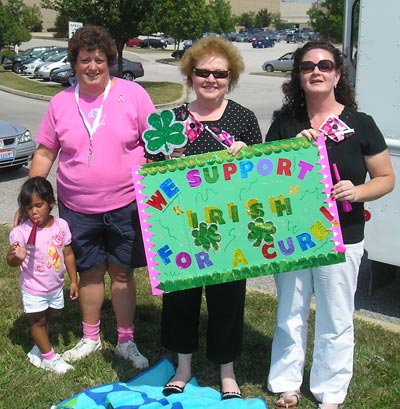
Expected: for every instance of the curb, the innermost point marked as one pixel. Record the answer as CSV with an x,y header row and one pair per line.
x,y
172,104
24,93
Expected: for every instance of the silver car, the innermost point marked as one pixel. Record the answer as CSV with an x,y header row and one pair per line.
x,y
44,70
16,145
284,63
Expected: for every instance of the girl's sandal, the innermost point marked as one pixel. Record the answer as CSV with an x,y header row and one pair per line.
x,y
287,400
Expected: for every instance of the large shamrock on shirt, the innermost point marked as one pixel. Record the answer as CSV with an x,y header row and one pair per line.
x,y
164,133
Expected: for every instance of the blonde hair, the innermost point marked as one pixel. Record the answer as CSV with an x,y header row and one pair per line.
x,y
213,46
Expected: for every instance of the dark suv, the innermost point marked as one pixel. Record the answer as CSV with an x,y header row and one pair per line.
x,y
152,43
14,62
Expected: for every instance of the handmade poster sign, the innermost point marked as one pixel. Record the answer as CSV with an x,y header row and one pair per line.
x,y
214,218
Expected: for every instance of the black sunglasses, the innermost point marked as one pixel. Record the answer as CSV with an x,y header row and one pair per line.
x,y
206,73
306,67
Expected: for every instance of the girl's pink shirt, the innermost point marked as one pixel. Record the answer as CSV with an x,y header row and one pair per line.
x,y
117,145
43,269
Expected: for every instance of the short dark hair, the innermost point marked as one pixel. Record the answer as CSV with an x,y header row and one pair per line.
x,y
91,38
37,185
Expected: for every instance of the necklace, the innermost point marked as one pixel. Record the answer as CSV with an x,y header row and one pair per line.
x,y
92,128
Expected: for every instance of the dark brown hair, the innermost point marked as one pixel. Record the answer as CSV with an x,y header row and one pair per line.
x,y
294,99
91,38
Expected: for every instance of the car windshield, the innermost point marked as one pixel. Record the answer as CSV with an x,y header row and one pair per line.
x,y
27,52
56,57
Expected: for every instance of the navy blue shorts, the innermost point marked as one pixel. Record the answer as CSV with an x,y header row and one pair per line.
x,y
113,236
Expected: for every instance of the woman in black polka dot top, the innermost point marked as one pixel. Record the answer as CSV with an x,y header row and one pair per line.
x,y
212,67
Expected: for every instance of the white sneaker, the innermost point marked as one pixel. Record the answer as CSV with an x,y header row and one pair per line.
x,y
57,365
82,349
35,356
129,350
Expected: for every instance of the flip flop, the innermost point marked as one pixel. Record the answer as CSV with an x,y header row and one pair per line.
x,y
231,395
170,389
292,396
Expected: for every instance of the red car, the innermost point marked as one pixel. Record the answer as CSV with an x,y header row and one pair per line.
x,y
133,42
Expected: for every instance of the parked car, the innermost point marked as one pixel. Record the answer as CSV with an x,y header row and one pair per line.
x,y
231,36
29,65
167,40
16,145
263,42
283,63
187,44
14,62
130,71
63,76
44,70
133,42
152,43
294,38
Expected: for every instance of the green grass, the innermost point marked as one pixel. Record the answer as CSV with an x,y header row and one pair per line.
x,y
160,92
376,383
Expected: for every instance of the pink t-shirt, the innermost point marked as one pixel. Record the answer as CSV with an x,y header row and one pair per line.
x,y
43,269
117,145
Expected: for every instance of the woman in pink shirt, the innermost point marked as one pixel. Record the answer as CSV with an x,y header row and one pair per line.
x,y
95,129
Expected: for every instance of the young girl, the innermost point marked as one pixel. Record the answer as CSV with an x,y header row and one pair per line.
x,y
42,266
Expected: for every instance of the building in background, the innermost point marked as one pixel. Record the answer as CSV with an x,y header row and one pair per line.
x,y
292,11
48,16
295,11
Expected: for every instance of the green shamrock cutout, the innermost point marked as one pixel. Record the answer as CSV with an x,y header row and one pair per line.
x,y
163,134
261,231
206,236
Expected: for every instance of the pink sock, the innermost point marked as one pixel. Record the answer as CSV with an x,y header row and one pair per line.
x,y
49,355
91,331
125,334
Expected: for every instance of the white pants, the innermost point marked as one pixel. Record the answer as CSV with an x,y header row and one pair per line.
x,y
334,287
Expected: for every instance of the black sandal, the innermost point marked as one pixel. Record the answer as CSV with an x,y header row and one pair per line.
x,y
170,389
231,395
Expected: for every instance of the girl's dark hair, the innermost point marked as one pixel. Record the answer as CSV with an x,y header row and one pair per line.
x,y
39,186
91,38
294,101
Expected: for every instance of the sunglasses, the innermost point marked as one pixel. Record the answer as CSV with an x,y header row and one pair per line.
x,y
306,67
206,73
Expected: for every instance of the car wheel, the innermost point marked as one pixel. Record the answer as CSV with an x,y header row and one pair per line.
x,y
269,68
17,68
127,75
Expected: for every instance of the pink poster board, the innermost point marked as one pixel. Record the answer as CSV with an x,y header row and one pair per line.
x,y
214,218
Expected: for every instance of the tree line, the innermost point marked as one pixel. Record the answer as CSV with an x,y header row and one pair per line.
x,y
181,19
17,21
